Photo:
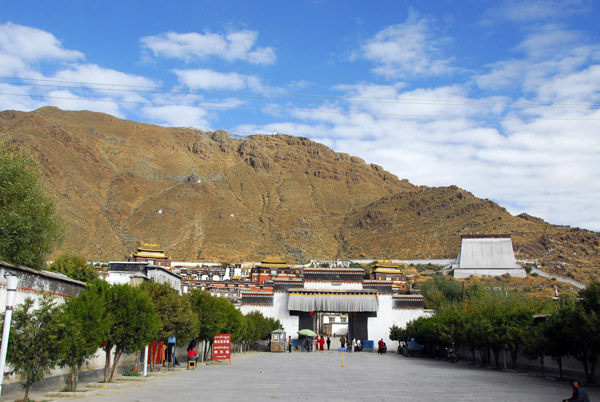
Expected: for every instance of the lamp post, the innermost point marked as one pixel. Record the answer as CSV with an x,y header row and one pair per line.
x,y
11,291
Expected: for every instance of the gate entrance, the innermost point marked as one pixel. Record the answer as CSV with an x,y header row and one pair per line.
x,y
333,324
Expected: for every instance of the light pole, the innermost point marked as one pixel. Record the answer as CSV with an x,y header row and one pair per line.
x,y
11,291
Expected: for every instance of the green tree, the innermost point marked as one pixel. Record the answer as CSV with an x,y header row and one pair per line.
x,y
30,226
35,348
257,327
556,332
441,290
216,315
585,330
86,318
134,323
174,312
74,266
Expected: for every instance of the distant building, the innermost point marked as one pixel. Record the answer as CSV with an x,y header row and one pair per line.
x,y
391,272
271,268
336,301
134,273
151,253
486,255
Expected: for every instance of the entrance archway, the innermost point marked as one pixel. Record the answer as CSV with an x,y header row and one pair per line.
x,y
332,324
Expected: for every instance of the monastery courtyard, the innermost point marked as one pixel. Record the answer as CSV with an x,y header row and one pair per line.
x,y
318,376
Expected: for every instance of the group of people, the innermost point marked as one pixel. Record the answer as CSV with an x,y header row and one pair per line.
x,y
319,344
354,346
308,344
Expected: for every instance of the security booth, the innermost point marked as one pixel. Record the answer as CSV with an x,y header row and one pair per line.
x,y
278,341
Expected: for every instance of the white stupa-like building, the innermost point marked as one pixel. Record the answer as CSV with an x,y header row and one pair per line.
x,y
486,255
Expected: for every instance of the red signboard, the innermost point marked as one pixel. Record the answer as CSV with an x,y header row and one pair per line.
x,y
222,347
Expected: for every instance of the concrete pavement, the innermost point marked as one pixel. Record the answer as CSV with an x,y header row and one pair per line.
x,y
318,376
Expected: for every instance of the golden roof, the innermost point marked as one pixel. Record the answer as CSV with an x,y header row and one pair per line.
x,y
273,262
146,254
150,247
386,271
149,250
387,264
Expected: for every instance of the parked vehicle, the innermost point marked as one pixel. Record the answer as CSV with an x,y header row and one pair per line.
x,y
413,348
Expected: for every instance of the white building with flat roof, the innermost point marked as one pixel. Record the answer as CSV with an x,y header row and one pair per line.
x,y
486,255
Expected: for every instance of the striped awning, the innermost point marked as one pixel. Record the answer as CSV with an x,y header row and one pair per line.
x,y
333,301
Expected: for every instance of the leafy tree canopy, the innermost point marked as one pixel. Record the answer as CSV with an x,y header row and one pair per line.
x,y
35,348
74,266
174,311
30,226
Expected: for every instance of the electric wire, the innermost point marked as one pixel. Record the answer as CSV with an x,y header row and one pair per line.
x,y
287,109
274,95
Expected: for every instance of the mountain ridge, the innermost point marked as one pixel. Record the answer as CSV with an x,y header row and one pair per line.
x,y
208,195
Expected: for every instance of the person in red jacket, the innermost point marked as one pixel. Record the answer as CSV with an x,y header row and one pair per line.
x,y
322,342
380,345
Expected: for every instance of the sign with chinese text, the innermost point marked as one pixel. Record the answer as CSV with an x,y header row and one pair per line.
x,y
222,347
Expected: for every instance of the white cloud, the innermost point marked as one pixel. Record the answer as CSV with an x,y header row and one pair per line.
x,y
527,11
408,49
178,115
528,160
68,100
95,76
549,54
209,79
32,44
238,45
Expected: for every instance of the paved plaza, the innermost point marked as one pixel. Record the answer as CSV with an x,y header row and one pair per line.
x,y
318,376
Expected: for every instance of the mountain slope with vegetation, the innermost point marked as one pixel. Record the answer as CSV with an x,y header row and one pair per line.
x,y
208,195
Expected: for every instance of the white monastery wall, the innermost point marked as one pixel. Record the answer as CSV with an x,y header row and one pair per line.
x,y
379,327
319,285
277,311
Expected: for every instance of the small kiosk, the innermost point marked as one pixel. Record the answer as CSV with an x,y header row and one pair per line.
x,y
278,341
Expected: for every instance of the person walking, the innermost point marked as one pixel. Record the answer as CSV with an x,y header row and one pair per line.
x,y
380,346
328,343
307,344
579,394
322,342
290,344
343,342
354,345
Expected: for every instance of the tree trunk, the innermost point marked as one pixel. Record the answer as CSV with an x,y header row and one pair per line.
x,y
584,360
208,350
74,377
26,397
542,363
496,357
559,361
592,379
473,355
482,356
136,368
115,363
513,358
107,362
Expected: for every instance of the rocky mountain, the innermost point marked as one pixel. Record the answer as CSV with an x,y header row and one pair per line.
x,y
208,195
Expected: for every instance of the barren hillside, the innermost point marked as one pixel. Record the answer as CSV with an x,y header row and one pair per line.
x,y
208,195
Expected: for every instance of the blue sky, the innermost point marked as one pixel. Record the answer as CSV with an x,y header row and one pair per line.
x,y
498,97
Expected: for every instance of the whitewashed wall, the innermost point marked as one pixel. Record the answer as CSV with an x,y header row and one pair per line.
x,y
379,327
278,311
